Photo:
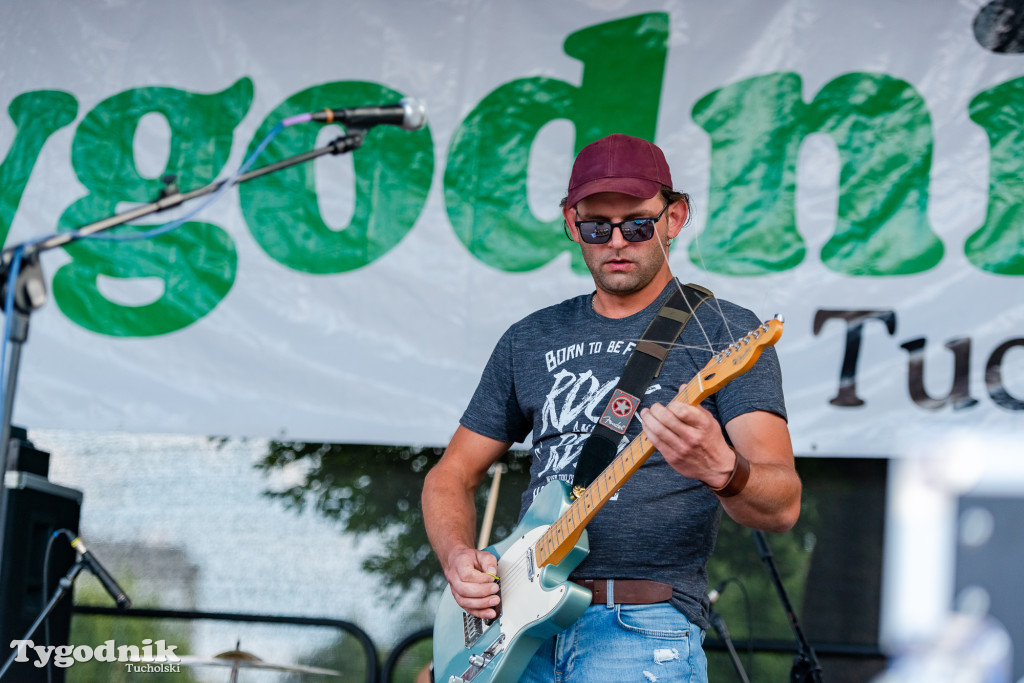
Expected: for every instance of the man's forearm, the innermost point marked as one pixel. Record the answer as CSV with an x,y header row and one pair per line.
x,y
449,515
449,509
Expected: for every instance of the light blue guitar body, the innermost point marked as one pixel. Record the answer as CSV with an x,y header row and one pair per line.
x,y
535,603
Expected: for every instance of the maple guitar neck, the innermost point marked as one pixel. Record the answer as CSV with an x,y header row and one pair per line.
x,y
563,534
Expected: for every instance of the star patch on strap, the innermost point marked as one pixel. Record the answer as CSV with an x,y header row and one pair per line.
x,y
620,411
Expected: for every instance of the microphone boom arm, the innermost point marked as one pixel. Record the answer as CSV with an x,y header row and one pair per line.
x,y
30,289
170,200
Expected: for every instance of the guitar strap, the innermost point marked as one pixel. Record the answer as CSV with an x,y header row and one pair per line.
x,y
643,365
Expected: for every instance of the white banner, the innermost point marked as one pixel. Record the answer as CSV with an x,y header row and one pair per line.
x,y
854,167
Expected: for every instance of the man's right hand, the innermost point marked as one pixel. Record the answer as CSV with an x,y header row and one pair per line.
x,y
470,574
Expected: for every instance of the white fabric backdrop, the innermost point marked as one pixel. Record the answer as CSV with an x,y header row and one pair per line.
x,y
390,352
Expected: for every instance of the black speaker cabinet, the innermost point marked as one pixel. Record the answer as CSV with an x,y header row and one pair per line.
x,y
34,508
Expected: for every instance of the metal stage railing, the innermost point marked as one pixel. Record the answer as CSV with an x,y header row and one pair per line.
x,y
384,674
369,649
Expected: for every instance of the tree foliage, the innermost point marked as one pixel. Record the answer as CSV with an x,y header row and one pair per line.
x,y
375,490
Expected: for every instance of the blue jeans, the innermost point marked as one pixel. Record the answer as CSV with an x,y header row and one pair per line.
x,y
623,644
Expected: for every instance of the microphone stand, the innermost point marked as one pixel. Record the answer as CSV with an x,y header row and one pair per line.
x,y
30,294
805,663
723,633
62,589
30,287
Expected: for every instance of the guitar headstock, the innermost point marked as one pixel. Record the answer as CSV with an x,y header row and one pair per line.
x,y
738,357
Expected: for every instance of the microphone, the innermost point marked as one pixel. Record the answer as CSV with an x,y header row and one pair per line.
x,y
102,574
715,593
408,114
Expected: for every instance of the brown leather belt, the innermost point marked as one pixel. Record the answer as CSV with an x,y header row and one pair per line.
x,y
627,591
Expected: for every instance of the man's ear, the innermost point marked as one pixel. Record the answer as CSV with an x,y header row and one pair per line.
x,y
677,215
569,216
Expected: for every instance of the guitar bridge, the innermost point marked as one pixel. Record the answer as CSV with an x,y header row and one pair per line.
x,y
472,629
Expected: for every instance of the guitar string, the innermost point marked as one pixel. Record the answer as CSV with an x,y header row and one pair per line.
x,y
517,570
718,304
707,338
581,506
627,452
582,501
614,480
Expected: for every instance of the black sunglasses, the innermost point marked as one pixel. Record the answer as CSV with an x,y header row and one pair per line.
x,y
633,230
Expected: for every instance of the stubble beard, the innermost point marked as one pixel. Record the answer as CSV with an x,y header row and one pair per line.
x,y
646,268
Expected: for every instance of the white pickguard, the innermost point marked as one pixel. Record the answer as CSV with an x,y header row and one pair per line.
x,y
524,600
536,603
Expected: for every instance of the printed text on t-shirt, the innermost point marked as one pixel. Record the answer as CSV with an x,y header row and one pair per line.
x,y
566,353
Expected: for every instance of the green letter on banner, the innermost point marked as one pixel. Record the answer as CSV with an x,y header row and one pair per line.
x,y
883,132
36,116
196,262
393,170
997,245
756,129
485,180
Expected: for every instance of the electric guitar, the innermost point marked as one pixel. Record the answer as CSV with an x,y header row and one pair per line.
x,y
537,599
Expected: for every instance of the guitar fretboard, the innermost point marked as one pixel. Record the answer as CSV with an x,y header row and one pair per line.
x,y
555,543
561,536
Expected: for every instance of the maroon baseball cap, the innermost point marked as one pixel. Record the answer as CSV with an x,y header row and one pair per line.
x,y
618,163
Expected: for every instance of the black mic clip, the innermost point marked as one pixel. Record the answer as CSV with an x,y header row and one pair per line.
x,y
30,285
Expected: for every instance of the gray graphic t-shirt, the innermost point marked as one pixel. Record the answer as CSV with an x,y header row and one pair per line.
x,y
552,374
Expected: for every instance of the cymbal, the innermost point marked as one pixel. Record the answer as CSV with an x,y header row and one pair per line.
x,y
239,659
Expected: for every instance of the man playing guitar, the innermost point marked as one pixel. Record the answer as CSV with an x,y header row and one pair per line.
x,y
551,377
